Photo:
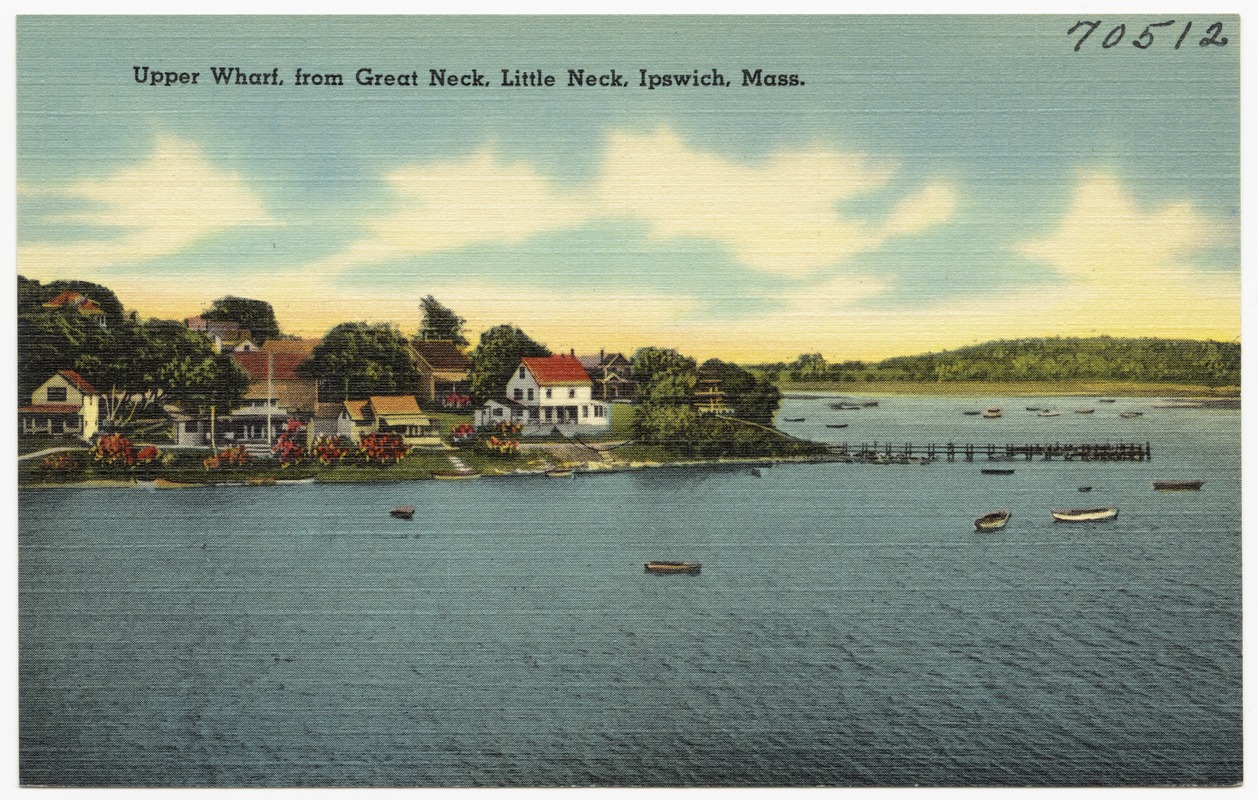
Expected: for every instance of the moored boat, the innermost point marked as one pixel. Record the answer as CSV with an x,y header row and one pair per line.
x,y
672,567
838,425
1106,400
455,474
1048,412
794,419
559,472
403,512
1130,414
992,471
1085,488
845,406
870,404
1084,514
1085,410
1178,486
992,521
992,413
971,413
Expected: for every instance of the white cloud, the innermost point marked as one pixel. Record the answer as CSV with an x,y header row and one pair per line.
x,y
156,208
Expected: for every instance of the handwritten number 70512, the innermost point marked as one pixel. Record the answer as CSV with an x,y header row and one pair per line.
x,y
1214,34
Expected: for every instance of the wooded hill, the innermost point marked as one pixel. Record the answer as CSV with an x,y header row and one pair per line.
x,y
1100,358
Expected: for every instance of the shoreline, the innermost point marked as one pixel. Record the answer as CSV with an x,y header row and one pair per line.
x,y
1014,389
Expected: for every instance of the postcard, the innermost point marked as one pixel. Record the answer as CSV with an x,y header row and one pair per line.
x,y
629,401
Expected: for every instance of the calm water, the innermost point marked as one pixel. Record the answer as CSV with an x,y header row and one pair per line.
x,y
849,628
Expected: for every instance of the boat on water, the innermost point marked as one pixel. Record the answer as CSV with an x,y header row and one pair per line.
x,y
837,425
403,512
1048,412
455,474
1032,408
845,406
971,413
870,404
992,521
1106,400
163,483
794,419
1084,514
993,471
672,567
1130,414
755,473
1178,486
560,472
1085,410
1085,488
992,413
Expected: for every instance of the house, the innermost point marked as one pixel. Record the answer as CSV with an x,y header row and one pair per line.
x,y
545,394
398,414
611,375
64,404
275,395
81,304
709,397
444,374
227,337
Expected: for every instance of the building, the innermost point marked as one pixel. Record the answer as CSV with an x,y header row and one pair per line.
x,y
227,337
398,414
611,375
545,395
710,396
65,404
444,374
275,395
80,304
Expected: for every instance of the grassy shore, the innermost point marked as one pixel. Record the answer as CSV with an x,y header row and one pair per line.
x,y
1012,388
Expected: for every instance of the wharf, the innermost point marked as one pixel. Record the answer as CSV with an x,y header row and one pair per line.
x,y
887,452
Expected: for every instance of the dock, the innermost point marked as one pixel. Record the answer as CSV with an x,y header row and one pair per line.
x,y
889,452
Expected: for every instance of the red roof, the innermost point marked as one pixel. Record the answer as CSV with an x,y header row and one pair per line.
x,y
255,364
443,355
557,371
78,380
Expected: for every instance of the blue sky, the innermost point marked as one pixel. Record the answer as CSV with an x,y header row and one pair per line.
x,y
935,181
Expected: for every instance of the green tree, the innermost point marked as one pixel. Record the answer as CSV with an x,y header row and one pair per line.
x,y
497,355
356,360
440,322
752,397
105,298
256,315
650,362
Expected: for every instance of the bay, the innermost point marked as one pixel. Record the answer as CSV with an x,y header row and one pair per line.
x,y
848,626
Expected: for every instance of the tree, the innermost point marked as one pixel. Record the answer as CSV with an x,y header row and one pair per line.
x,y
440,322
256,315
496,357
102,296
356,360
650,362
752,398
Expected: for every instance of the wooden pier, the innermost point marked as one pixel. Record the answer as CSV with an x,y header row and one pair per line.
x,y
889,452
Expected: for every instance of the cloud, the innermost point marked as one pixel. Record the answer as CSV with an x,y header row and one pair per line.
x,y
780,214
156,208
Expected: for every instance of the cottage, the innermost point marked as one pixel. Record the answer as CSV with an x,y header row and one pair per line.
x,y
275,395
81,304
545,394
398,414
64,404
611,375
444,374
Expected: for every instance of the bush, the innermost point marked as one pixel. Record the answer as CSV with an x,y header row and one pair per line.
x,y
59,463
383,448
236,456
288,447
500,448
463,433
114,451
330,450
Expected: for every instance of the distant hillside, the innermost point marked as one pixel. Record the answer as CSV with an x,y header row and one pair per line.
x,y
1101,358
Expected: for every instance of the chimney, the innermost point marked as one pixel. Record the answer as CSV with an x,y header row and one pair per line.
x,y
572,352
600,355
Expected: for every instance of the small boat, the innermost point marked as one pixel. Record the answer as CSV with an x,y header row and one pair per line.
x,y
1106,400
990,471
672,567
870,404
455,474
1084,514
755,473
1085,488
1085,410
992,521
403,512
1178,486
838,425
1032,408
992,413
264,480
1048,412
845,406
162,483
559,472
1130,414
794,419
971,413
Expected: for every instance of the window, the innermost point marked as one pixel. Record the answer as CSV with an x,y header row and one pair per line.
x,y
530,394
56,394
548,394
498,411
585,411
521,372
598,411
572,393
519,394
190,426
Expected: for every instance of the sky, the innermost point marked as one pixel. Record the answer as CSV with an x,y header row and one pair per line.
x,y
928,183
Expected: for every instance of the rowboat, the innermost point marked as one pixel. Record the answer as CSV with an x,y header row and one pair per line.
x,y
1048,412
992,413
559,472
839,425
455,474
845,406
1130,414
1106,400
1084,514
1032,408
1178,486
971,413
794,419
992,521
1085,488
991,471
1085,410
870,404
672,567
403,512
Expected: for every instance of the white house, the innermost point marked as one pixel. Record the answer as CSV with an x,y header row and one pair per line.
x,y
398,414
548,393
65,403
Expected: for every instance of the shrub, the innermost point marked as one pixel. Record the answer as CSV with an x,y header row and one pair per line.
x,y
384,448
147,455
463,433
330,449
114,450
59,463
500,448
236,456
288,448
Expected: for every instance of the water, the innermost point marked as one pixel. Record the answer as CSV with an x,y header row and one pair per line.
x,y
848,628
